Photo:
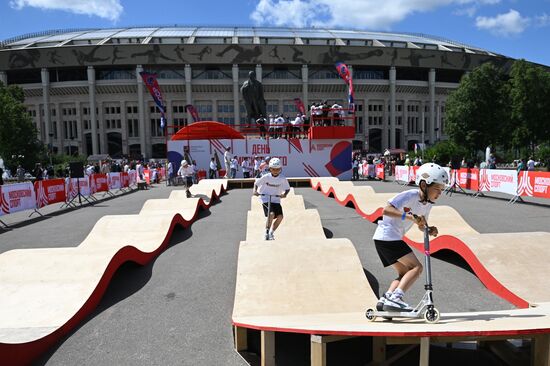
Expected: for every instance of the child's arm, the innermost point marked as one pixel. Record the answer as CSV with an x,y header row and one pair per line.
x,y
255,193
285,194
391,211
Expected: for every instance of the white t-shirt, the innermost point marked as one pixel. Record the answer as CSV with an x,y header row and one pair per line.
x,y
213,165
186,171
227,156
393,228
530,164
246,166
257,163
270,185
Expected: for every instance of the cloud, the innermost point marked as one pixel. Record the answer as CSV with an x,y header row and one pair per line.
x,y
371,14
542,20
107,9
507,24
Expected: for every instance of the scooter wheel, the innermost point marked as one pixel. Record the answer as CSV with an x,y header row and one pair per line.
x,y
431,315
370,315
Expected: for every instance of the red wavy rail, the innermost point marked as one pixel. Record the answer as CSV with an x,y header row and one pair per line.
x,y
443,242
26,353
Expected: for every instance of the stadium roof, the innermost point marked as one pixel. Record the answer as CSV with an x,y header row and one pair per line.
x,y
234,35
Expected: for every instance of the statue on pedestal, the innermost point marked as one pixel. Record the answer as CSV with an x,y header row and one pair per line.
x,y
253,96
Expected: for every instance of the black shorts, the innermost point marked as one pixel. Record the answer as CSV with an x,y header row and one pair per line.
x,y
276,208
390,251
188,181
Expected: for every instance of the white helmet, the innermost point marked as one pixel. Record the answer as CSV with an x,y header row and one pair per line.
x,y
431,173
275,163
184,162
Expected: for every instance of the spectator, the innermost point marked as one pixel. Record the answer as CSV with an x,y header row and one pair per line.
x,y
272,126
139,170
38,171
464,163
355,168
264,166
154,175
227,156
279,126
530,164
234,166
407,160
492,162
170,171
257,162
213,169
261,122
521,165
90,170
20,173
246,167
337,114
296,125
195,172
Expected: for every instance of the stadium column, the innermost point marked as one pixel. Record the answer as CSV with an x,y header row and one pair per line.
x,y
93,116
392,108
59,127
102,133
236,108
405,123
385,137
124,127
79,133
431,125
305,85
188,96
45,75
259,73
141,112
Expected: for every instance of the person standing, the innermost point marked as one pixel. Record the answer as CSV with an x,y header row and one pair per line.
x,y
212,169
227,156
257,163
246,167
37,172
355,169
234,166
170,171
530,164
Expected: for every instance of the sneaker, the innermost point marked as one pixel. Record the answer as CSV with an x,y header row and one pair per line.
x,y
271,236
381,302
396,304
188,194
266,236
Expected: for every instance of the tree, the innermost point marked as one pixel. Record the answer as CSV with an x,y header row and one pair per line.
x,y
530,105
477,110
18,139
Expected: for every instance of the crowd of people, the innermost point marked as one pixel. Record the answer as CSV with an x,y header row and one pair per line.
x,y
278,126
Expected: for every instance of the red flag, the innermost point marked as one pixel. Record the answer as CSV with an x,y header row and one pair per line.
x,y
300,105
193,111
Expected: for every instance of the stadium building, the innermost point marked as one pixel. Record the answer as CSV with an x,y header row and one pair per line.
x,y
84,92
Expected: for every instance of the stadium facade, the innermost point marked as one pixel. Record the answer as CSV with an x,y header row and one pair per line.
x,y
401,81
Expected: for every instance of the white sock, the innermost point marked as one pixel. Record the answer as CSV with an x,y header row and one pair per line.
x,y
388,294
271,231
397,294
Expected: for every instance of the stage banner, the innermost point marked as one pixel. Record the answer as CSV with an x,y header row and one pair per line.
x,y
495,180
99,183
468,178
17,197
49,191
380,172
114,181
147,176
299,157
71,187
534,184
401,173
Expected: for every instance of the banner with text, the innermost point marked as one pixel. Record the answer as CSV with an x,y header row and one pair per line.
x,y
49,191
496,180
17,197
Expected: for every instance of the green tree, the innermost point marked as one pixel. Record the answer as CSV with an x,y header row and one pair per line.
x,y
477,110
18,138
445,151
529,87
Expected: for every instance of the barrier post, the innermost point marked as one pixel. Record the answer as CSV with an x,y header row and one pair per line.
x,y
454,184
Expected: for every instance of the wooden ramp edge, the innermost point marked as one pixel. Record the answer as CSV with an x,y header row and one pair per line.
x,y
511,265
47,292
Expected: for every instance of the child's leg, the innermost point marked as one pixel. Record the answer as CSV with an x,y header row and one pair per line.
x,y
401,270
271,217
413,268
277,222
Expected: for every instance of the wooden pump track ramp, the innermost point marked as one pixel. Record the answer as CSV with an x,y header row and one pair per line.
x,y
47,292
302,283
514,266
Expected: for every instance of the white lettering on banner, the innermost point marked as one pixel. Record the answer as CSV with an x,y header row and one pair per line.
x,y
542,184
504,181
320,147
17,197
56,188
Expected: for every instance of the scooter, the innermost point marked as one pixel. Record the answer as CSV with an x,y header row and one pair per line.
x,y
425,308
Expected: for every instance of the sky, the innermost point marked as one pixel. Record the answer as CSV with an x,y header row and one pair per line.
x,y
514,28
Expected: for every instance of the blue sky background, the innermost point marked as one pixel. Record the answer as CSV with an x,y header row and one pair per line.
x,y
515,28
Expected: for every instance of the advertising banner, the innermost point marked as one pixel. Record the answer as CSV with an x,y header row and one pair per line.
x,y
534,184
300,157
125,180
114,180
401,173
495,180
71,187
49,191
17,197
468,178
99,183
132,177
380,172
147,176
